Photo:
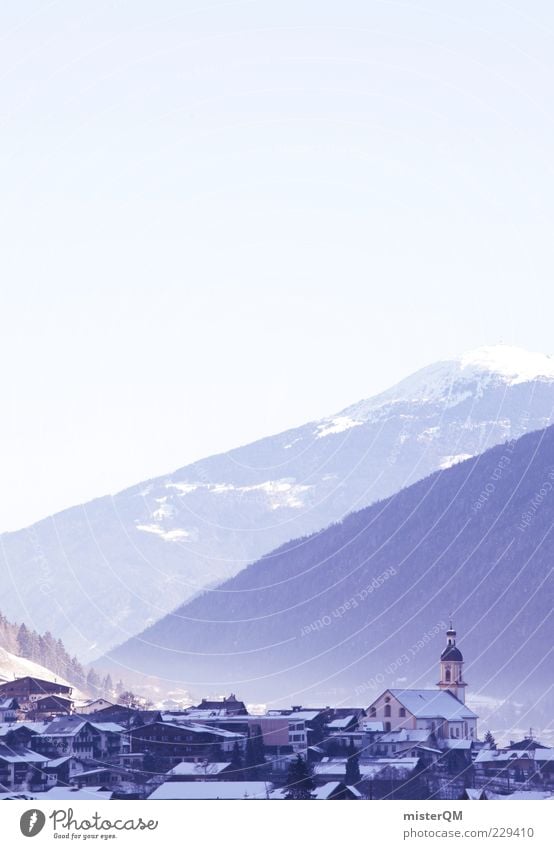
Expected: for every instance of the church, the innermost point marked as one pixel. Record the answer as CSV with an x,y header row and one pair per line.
x,y
443,711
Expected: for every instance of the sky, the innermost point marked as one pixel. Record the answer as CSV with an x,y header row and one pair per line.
x,y
221,220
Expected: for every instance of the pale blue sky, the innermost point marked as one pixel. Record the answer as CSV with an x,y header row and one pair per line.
x,y
220,220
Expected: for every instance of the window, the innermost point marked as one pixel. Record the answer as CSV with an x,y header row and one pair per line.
x,y
457,732
373,711
402,712
447,674
387,726
387,710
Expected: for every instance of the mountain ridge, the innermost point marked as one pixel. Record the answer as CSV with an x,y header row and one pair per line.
x,y
114,565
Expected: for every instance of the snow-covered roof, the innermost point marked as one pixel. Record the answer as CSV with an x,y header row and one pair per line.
x,y
114,727
405,735
372,768
306,715
198,728
511,755
429,704
521,794
343,722
212,790
326,790
71,793
54,764
20,755
193,769
36,727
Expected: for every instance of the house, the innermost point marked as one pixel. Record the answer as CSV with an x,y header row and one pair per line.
x,y
49,706
28,690
60,771
329,790
212,790
336,790
93,706
73,735
8,709
21,768
230,706
532,767
402,742
172,742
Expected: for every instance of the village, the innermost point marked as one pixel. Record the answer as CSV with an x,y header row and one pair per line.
x,y
407,744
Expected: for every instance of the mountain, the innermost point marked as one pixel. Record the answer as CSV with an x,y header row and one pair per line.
x,y
340,615
98,573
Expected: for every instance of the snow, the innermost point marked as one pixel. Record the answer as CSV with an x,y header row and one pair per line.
x,y
283,492
337,425
173,535
515,365
452,381
12,666
452,459
212,790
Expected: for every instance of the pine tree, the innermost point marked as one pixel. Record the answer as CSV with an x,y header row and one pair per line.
x,y
489,739
107,687
299,780
352,776
24,643
93,682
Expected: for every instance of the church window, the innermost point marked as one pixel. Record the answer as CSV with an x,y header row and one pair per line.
x,y
387,726
402,712
447,674
387,710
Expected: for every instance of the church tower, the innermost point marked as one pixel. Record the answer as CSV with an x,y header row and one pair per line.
x,y
451,666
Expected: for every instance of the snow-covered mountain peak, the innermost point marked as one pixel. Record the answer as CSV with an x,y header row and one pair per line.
x,y
452,381
513,365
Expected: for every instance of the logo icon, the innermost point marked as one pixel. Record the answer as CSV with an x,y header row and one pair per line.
x,y
32,822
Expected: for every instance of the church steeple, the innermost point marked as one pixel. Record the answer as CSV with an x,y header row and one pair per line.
x,y
451,666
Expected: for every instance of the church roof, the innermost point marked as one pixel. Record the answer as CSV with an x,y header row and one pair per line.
x,y
425,704
451,653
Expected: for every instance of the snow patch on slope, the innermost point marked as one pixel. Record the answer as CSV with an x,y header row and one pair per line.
x,y
336,425
284,492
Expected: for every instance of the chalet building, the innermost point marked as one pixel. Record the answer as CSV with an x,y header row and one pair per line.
x,y
21,768
50,707
84,739
509,767
230,705
172,742
93,706
8,709
442,712
28,690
